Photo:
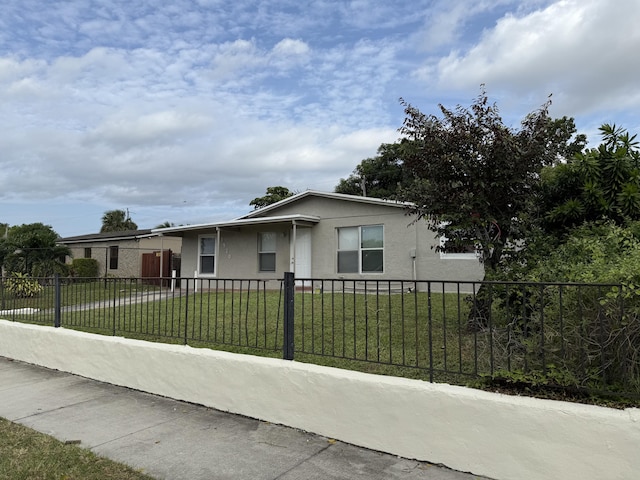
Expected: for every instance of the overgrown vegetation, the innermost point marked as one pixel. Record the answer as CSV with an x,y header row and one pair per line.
x,y
603,323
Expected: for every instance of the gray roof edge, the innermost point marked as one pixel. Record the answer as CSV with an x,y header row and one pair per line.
x,y
109,236
239,222
317,193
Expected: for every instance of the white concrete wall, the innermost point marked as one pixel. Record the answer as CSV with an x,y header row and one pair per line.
x,y
499,436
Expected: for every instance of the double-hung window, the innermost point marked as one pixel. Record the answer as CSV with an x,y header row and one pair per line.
x,y
207,256
361,249
113,258
267,251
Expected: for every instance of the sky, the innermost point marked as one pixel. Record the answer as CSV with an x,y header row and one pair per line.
x,y
185,110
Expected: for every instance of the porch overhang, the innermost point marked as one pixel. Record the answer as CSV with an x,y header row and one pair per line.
x,y
297,219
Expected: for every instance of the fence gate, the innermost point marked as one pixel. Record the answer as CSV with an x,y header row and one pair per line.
x,y
151,268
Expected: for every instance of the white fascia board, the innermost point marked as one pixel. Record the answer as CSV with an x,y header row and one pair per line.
x,y
239,223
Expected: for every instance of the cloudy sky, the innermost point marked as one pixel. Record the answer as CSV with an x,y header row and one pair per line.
x,y
185,110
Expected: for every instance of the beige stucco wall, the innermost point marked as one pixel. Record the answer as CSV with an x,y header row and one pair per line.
x,y
129,253
499,436
237,255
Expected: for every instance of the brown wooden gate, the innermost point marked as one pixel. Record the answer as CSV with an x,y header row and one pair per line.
x,y
151,268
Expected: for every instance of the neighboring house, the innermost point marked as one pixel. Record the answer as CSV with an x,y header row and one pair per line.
x,y
325,236
122,254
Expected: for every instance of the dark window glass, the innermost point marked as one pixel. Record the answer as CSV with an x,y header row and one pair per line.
x,y
372,261
267,262
113,258
207,264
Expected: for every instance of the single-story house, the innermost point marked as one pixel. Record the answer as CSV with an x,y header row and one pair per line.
x,y
324,236
126,254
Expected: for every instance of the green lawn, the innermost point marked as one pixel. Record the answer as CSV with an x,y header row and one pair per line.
x,y
406,334
28,455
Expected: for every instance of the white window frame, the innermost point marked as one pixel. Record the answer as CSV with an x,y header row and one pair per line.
x,y
457,256
262,252
360,250
214,255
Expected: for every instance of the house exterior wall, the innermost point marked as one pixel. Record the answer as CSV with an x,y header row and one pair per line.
x,y
409,248
237,254
129,253
401,238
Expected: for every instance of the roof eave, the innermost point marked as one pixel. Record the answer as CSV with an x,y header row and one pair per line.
x,y
240,222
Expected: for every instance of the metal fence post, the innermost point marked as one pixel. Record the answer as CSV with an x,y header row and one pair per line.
x,y
2,303
58,301
115,292
289,294
186,308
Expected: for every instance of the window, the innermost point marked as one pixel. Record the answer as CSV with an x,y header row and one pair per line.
x,y
361,249
460,250
267,251
87,252
113,258
207,255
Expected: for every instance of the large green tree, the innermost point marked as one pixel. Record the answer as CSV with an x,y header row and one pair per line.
x,y
273,195
474,178
601,183
380,176
117,221
32,249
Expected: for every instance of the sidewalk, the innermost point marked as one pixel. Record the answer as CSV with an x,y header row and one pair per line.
x,y
169,439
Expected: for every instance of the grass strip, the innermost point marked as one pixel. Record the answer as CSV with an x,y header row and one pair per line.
x,y
29,455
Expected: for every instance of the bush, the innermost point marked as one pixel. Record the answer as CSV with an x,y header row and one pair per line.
x,y
576,334
84,268
20,285
48,268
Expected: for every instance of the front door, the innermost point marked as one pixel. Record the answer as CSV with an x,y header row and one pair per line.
x,y
301,254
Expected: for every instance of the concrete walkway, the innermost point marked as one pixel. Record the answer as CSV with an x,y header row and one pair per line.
x,y
169,439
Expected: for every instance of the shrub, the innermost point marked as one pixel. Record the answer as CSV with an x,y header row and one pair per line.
x,y
84,267
20,285
48,268
590,334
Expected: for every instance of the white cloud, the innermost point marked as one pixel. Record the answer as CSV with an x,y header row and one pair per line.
x,y
580,50
290,47
132,130
12,69
288,54
188,109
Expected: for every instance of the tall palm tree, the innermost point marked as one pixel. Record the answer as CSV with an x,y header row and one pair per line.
x,y
166,224
117,221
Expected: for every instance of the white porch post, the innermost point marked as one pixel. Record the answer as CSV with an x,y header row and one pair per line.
x,y
293,245
216,258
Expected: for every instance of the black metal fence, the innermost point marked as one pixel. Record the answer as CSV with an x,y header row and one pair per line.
x,y
578,336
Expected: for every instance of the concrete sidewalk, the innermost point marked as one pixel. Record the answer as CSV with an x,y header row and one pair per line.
x,y
169,439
